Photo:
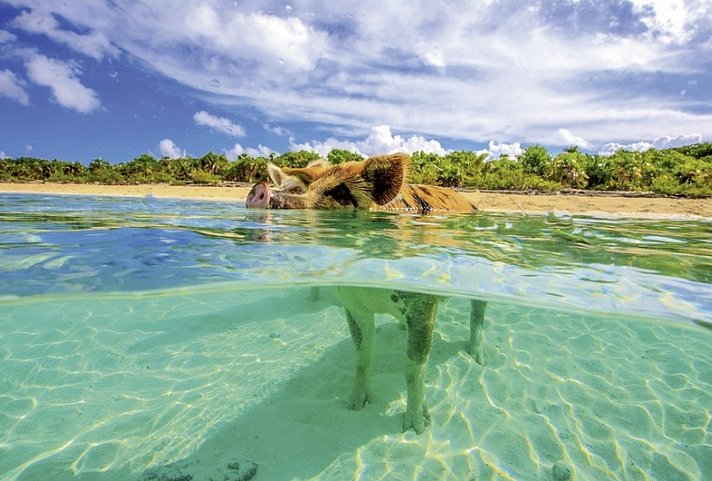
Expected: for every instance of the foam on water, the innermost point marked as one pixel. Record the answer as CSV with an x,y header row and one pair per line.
x,y
137,334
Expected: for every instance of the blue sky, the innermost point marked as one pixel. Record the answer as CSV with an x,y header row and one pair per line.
x,y
115,79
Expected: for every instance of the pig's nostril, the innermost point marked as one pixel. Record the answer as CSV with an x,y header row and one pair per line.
x,y
262,196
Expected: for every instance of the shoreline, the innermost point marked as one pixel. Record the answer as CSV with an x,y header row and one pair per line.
x,y
513,202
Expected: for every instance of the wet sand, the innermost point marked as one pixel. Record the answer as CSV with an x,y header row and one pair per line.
x,y
485,201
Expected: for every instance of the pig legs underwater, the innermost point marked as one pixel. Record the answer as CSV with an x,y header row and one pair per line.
x,y
417,312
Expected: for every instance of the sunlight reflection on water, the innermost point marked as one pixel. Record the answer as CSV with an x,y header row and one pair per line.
x,y
141,332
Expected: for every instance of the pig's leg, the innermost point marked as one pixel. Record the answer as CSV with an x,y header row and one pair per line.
x,y
314,294
419,311
362,327
477,318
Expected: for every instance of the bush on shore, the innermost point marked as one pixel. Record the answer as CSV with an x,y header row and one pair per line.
x,y
683,171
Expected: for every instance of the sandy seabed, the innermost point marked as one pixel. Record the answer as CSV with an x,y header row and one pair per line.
x,y
244,387
485,201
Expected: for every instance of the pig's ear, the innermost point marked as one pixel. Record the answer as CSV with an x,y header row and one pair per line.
x,y
386,175
276,174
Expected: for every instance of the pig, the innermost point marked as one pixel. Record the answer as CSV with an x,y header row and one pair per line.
x,y
376,183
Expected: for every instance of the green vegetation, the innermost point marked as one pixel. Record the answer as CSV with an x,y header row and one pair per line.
x,y
684,171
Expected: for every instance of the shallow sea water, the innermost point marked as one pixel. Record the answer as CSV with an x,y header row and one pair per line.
x,y
137,333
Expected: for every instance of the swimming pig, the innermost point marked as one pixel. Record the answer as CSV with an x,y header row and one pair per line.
x,y
377,183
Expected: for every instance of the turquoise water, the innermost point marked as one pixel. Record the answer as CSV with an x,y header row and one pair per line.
x,y
136,333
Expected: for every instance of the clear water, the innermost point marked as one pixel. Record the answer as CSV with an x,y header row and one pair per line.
x,y
135,333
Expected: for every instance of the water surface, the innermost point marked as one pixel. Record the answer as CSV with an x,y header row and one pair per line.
x,y
140,332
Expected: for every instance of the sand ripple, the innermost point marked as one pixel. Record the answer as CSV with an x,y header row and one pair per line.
x,y
106,387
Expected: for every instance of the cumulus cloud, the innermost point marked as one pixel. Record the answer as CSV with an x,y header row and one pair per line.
x,y
3,155
61,78
94,44
167,148
382,141
664,142
379,141
12,87
496,150
572,139
219,124
259,151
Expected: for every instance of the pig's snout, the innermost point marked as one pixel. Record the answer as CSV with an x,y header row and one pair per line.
x,y
259,196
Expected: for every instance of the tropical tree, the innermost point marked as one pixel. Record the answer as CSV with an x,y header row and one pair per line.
x,y
214,164
568,168
296,159
535,159
247,169
338,156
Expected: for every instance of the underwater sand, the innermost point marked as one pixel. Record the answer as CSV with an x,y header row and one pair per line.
x,y
137,334
103,388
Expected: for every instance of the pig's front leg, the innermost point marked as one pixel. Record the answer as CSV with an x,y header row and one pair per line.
x,y
362,327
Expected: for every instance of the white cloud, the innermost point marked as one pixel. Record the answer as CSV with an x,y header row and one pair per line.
x,y
7,37
219,124
3,155
236,151
572,139
496,150
479,71
673,21
167,148
259,151
12,87
94,44
382,141
668,142
276,130
664,142
287,44
61,78
379,141
613,147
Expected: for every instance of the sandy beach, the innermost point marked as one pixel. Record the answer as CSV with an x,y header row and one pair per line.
x,y
629,206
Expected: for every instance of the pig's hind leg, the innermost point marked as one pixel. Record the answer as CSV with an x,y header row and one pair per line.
x,y
419,311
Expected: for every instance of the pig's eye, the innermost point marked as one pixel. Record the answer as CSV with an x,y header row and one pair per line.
x,y
342,195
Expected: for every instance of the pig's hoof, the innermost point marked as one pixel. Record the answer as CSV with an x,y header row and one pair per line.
x,y
477,354
358,399
417,419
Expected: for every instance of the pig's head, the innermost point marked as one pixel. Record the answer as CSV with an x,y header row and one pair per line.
x,y
354,185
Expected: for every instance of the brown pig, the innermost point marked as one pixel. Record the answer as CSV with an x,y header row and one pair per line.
x,y
377,183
